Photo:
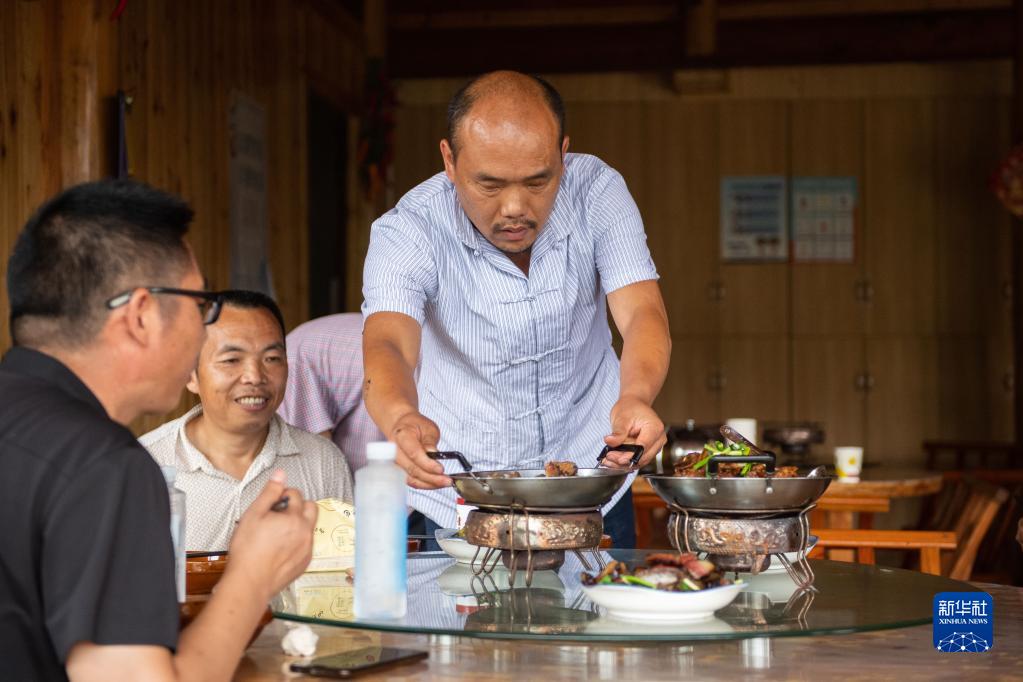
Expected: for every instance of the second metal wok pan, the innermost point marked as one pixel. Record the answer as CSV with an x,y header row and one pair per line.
x,y
744,495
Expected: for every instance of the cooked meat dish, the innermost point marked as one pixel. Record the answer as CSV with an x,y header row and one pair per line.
x,y
693,466
663,571
554,469
506,474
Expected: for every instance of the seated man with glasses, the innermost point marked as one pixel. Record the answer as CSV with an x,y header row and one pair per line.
x,y
102,289
226,448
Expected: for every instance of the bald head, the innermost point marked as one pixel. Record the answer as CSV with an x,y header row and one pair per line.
x,y
506,96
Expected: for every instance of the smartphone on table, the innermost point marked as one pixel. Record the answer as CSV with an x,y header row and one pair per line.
x,y
357,662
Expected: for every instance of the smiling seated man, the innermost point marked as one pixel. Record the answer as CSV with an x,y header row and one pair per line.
x,y
226,448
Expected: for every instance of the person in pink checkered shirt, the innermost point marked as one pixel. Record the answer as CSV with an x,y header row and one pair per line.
x,y
324,392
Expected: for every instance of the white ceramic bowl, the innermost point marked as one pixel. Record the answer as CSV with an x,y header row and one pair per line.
x,y
455,547
633,603
777,565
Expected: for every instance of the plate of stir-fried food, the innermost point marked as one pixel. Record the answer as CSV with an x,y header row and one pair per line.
x,y
667,588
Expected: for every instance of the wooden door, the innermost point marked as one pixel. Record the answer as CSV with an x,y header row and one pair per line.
x,y
829,387
901,410
692,389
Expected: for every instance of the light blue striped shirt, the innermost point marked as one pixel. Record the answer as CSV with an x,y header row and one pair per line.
x,y
515,370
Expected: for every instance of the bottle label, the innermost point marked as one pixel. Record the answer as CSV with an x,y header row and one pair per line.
x,y
462,513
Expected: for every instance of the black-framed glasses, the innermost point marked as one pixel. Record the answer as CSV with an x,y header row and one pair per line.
x,y
209,302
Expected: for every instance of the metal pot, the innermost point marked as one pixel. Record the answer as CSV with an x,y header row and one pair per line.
x,y
740,495
589,488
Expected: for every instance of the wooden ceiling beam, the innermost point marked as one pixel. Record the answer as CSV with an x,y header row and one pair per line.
x,y
640,13
917,36
564,49
926,36
735,10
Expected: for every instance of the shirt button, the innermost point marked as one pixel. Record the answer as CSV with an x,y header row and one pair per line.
x,y
476,252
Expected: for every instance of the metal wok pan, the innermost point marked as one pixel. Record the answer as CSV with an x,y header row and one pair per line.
x,y
743,495
589,488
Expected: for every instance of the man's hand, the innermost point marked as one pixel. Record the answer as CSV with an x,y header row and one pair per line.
x,y
632,420
272,548
414,434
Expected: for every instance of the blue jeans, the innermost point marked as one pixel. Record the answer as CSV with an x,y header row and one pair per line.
x,y
619,523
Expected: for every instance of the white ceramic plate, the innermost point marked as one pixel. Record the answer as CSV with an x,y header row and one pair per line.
x,y
627,602
777,565
455,547
703,627
458,579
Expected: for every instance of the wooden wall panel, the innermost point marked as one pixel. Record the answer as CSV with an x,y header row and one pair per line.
x,y
900,191
754,141
827,139
825,389
418,132
757,377
967,148
30,155
901,405
681,212
180,61
690,391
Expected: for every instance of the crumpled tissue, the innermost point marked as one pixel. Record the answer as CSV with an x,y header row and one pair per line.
x,y
300,640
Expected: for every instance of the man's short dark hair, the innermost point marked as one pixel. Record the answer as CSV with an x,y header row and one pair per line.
x,y
250,300
85,245
466,96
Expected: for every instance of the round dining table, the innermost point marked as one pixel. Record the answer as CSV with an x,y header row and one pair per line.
x,y
858,652
887,482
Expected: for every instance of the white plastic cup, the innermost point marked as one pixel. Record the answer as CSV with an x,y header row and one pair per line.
x,y
746,426
848,463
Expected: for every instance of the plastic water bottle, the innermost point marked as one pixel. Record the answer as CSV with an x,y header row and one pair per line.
x,y
380,535
177,505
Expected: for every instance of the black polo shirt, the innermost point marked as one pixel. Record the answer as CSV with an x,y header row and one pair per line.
x,y
85,547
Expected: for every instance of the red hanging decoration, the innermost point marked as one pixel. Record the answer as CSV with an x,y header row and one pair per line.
x,y
1007,182
376,134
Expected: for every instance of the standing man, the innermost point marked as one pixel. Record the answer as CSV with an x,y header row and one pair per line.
x,y
325,384
227,447
500,271
107,316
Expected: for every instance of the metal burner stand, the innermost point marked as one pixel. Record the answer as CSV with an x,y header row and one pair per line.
x,y
542,533
746,541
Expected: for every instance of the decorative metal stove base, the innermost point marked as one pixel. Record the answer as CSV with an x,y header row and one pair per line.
x,y
532,539
745,543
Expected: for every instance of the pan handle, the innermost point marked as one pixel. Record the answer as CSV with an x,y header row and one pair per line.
x,y
766,459
635,448
450,454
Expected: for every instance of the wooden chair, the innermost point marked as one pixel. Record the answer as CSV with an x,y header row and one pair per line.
x,y
972,454
973,520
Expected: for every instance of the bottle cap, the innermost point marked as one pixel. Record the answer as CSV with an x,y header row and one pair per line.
x,y
381,450
169,474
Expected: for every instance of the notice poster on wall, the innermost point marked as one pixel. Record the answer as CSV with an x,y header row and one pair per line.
x,y
754,219
823,219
